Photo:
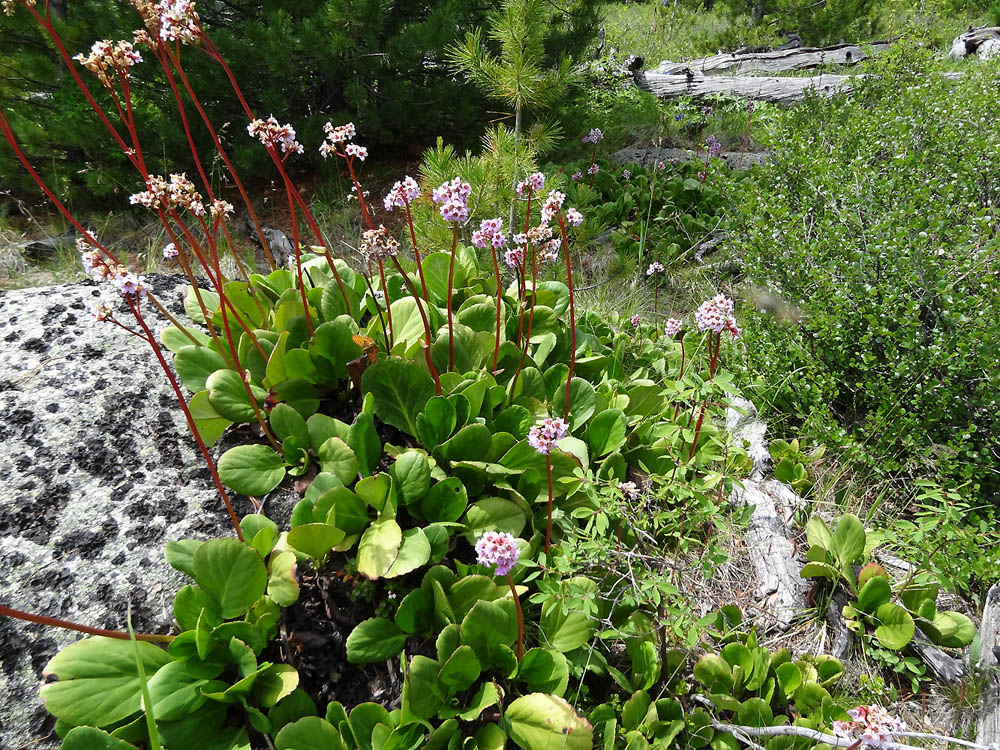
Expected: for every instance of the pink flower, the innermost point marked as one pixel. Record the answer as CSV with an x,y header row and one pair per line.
x,y
593,169
520,239
453,199
534,182
594,136
378,244
636,320
221,209
100,312
543,437
170,251
273,134
626,174
106,58
629,490
402,193
355,151
178,21
574,217
514,257
499,549
871,725
577,175
551,206
716,315
673,327
339,133
661,165
654,268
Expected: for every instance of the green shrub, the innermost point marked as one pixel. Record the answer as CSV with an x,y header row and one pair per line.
x,y
875,224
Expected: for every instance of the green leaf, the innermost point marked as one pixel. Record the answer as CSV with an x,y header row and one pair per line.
x,y
375,639
956,630
98,680
194,364
414,551
714,672
322,428
89,738
582,402
565,631
488,624
446,501
282,585
174,693
308,733
544,671
180,555
546,722
436,422
286,422
350,513
848,540
378,548
461,670
334,342
251,470
414,612
755,713
494,514
336,457
635,710
411,476
401,389
896,626
471,443
315,539
232,573
229,398
606,432
874,594
209,423
363,439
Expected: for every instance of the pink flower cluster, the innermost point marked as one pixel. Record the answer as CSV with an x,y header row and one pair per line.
x,y
520,239
574,217
170,251
544,436
453,199
490,234
629,490
106,57
402,193
178,194
514,257
378,245
178,21
654,268
636,320
872,725
716,315
594,136
551,206
577,176
626,174
274,135
338,136
673,327
101,269
593,169
534,182
498,549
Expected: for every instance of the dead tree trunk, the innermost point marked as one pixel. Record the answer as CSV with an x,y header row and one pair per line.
x,y
988,731
769,89
983,42
776,61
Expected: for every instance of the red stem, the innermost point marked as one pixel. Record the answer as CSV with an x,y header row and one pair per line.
x,y
520,617
548,525
416,252
451,281
67,625
427,327
572,312
388,308
496,273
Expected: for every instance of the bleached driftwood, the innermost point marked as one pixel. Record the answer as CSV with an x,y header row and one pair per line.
x,y
763,88
776,61
983,42
780,589
988,726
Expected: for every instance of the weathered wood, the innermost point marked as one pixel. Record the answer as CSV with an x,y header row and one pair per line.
x,y
775,61
763,88
983,42
988,726
780,589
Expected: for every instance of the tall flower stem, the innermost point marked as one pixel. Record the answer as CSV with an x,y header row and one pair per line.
x,y
451,282
381,320
134,306
714,343
548,524
572,312
388,307
416,251
496,274
531,312
289,189
520,617
67,625
427,327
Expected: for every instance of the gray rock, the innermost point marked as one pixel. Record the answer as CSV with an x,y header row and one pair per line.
x,y
647,156
99,474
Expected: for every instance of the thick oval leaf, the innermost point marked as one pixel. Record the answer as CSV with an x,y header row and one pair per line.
x,y
209,423
446,501
544,671
89,738
229,397
401,389
98,681
848,540
538,721
874,594
315,539
956,630
232,573
251,469
411,476
606,432
376,639
286,422
896,628
565,631
413,552
582,402
378,548
308,733
337,458
282,586
174,693
194,365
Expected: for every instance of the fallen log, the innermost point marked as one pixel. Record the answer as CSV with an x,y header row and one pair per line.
x,y
988,726
775,61
983,42
763,88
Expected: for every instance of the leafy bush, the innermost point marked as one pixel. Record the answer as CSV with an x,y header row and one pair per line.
x,y
871,239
